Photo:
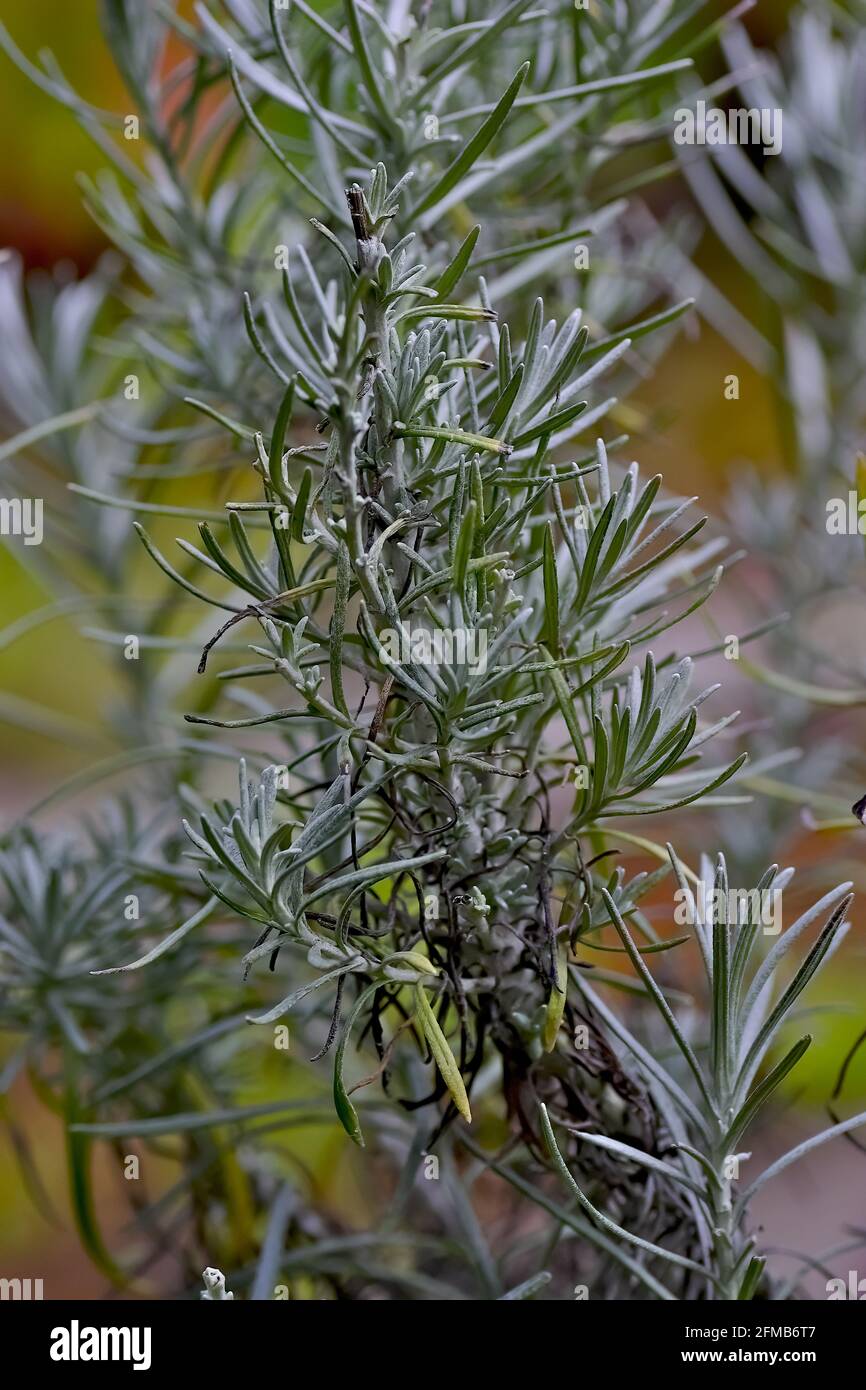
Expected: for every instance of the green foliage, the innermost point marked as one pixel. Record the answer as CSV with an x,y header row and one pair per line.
x,y
747,1008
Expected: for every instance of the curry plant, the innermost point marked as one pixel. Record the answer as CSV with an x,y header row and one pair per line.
x,y
407,846
716,1083
445,769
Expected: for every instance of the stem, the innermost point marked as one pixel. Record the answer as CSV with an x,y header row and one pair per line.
x,y
727,1238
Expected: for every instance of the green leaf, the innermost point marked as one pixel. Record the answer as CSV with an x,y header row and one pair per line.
x,y
473,149
370,77
699,795
797,1153
128,504
299,513
550,631
502,405
255,338
371,873
463,548
452,436
167,942
571,1220
333,123
593,550
79,1152
169,1056
286,1005
197,1119
464,313
179,578
275,453
268,141
762,1092
639,1156
346,1112
442,1054
528,248
804,690
337,245
451,275
801,978
565,700
646,1059
551,425
611,1227
556,1002
751,1278
70,420
480,43
338,625
638,329
657,997
775,956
